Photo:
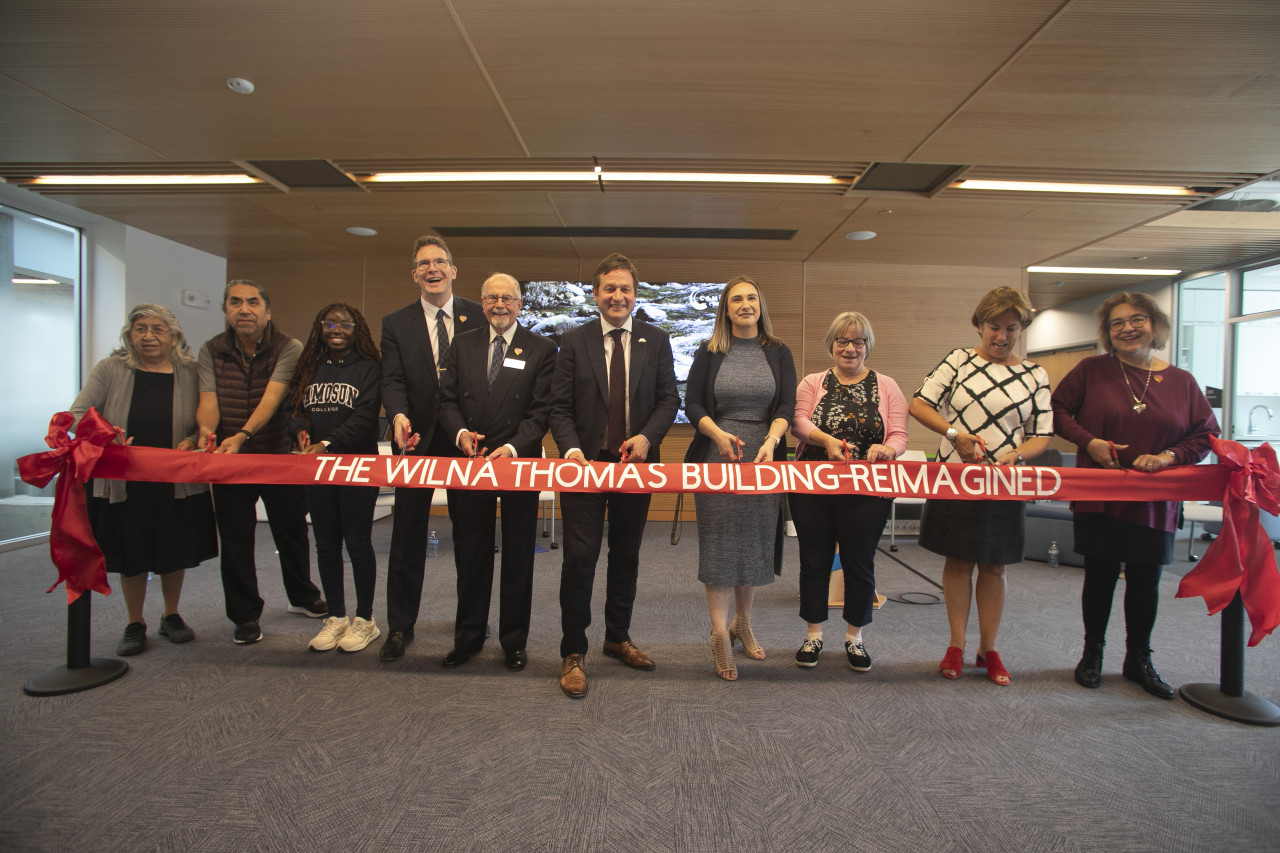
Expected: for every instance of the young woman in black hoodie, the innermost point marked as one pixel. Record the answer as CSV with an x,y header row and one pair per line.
x,y
335,410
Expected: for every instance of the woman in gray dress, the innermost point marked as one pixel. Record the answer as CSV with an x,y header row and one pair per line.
x,y
741,396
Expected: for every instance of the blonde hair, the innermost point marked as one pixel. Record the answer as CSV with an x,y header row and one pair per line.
x,y
1000,300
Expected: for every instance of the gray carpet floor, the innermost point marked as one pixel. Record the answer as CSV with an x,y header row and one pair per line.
x,y
210,746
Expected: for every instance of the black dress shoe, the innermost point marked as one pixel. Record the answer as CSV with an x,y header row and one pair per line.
x,y
1089,670
455,658
516,661
1137,667
393,648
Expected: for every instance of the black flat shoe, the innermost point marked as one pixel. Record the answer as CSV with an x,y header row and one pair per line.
x,y
393,648
455,659
1137,667
516,661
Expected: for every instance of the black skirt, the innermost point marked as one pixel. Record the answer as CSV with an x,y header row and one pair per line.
x,y
974,531
152,531
1102,537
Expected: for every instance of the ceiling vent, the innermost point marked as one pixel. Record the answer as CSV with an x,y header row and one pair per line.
x,y
302,174
926,178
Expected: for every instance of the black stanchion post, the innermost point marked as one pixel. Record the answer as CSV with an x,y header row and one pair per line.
x,y
81,671
1228,698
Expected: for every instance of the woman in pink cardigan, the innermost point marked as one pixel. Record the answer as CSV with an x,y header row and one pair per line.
x,y
846,413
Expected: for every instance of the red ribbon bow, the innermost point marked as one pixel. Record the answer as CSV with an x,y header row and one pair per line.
x,y
71,544
1242,558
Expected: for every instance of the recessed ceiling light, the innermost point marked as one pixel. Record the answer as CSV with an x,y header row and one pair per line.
x,y
362,232
1046,187
240,86
1101,271
127,180
593,176
860,235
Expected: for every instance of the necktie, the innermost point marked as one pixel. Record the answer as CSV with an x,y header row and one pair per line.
x,y
499,344
442,337
617,395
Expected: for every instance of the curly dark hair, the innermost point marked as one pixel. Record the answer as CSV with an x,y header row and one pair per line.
x,y
314,350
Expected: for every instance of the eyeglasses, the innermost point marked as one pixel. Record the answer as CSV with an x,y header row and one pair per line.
x,y
428,263
856,343
158,331
333,327
503,298
1138,321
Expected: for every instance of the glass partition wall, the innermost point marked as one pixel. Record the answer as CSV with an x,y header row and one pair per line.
x,y
40,272
1229,339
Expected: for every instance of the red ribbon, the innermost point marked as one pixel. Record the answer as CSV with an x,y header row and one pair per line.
x,y
1242,559
71,544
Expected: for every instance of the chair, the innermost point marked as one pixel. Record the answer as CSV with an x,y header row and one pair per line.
x,y
1203,513
907,456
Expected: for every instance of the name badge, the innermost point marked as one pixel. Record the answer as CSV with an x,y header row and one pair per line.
x,y
517,363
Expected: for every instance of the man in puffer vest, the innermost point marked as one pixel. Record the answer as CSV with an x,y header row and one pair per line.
x,y
244,374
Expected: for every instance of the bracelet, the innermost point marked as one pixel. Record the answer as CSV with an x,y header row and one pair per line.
x,y
1021,461
776,438
245,433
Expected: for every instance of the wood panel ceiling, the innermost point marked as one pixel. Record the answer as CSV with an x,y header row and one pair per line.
x,y
1181,91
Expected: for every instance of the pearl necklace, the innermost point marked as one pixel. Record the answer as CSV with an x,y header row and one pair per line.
x,y
1138,405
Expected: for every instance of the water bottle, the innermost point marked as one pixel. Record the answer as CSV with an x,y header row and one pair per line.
x,y
1053,554
433,545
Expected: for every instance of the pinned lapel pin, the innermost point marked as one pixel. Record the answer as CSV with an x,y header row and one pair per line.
x,y
462,318
640,340
519,351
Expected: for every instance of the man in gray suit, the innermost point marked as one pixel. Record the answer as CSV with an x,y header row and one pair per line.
x,y
613,399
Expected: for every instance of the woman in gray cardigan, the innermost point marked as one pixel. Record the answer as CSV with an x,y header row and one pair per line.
x,y
147,388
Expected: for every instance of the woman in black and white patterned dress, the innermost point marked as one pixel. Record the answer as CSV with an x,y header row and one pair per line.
x,y
991,406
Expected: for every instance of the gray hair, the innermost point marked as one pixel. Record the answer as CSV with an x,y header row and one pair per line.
x,y
129,355
851,319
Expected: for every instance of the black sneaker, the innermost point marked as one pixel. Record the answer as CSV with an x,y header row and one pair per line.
x,y
247,633
858,657
176,630
134,640
315,609
808,654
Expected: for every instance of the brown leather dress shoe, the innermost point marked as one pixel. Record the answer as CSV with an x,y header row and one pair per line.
x,y
573,678
630,655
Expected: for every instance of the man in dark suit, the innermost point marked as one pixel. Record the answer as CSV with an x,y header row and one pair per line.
x,y
613,399
415,340
497,403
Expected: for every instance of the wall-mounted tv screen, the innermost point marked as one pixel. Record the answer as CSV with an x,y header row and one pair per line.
x,y
684,310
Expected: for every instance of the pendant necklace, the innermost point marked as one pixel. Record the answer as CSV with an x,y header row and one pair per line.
x,y
1138,405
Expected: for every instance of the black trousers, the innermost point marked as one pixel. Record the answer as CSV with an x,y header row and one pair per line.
x,y
338,514
473,542
236,510
1141,600
856,522
584,516
410,527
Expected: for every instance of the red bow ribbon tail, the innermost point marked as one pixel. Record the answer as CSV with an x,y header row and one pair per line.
x,y
72,546
1242,558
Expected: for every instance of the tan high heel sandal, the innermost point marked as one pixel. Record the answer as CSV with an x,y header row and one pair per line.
x,y
722,653
741,629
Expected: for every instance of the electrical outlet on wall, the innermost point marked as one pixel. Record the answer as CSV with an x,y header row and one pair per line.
x,y
191,299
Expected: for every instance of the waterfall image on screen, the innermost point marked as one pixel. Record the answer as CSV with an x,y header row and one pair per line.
x,y
686,311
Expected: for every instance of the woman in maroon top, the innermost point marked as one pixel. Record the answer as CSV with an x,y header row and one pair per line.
x,y
1129,409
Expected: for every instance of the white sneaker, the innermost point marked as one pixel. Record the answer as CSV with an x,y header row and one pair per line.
x,y
335,628
362,633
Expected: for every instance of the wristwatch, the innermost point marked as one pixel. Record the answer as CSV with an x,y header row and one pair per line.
x,y
952,432
245,433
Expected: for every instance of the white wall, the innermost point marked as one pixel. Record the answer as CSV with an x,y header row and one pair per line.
x,y
161,270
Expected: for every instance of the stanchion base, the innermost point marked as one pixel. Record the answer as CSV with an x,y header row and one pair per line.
x,y
1249,708
60,679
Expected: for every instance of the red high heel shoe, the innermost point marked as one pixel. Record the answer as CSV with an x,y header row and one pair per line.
x,y
952,662
994,667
